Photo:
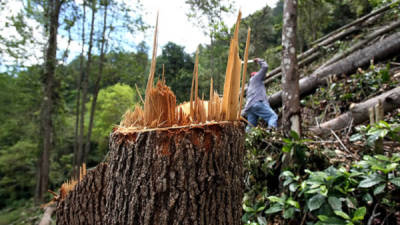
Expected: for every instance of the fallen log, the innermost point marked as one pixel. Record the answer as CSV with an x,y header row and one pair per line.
x,y
378,51
362,43
302,63
356,22
336,35
359,112
315,49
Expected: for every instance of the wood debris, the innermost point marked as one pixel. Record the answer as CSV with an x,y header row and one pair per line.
x,y
160,109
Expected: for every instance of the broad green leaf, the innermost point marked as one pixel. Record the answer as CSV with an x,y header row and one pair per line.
x,y
293,203
315,202
382,157
356,137
288,213
248,209
274,209
359,214
395,181
331,220
259,209
276,199
342,214
379,189
335,203
293,187
261,220
368,198
370,181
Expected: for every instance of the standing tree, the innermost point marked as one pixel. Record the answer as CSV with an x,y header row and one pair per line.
x,y
290,79
53,8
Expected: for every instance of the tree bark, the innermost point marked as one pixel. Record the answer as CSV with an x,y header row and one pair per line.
x,y
359,113
86,203
47,108
97,84
378,51
79,80
290,79
176,176
85,85
362,43
190,175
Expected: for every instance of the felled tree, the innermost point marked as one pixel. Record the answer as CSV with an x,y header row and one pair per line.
x,y
168,163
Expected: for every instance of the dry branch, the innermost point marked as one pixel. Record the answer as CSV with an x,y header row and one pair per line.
x,y
361,58
359,112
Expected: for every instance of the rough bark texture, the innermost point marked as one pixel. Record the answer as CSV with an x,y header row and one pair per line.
x,y
176,176
85,204
380,50
47,108
290,78
97,83
81,158
359,112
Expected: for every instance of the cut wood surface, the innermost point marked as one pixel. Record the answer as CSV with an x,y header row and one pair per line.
x,y
168,163
380,50
359,112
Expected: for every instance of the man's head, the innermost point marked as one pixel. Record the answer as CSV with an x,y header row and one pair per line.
x,y
252,74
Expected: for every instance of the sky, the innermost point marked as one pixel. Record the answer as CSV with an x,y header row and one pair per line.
x,y
174,26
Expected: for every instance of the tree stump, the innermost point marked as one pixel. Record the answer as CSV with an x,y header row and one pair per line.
x,y
176,176
85,204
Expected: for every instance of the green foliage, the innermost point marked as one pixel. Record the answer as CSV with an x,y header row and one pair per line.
x,y
17,170
371,133
112,103
178,70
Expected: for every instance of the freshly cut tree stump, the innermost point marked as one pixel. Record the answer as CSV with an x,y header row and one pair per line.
x,y
85,203
168,163
189,175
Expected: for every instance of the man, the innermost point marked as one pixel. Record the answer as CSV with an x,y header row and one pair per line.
x,y
257,105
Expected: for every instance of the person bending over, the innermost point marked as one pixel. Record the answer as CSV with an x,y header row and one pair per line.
x,y
257,105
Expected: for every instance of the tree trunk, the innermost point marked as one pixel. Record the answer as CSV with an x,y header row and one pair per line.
x,y
48,103
97,84
359,112
177,176
79,80
86,203
85,85
191,175
380,50
362,43
290,78
332,37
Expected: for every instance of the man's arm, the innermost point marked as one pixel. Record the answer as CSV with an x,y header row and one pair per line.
x,y
260,76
